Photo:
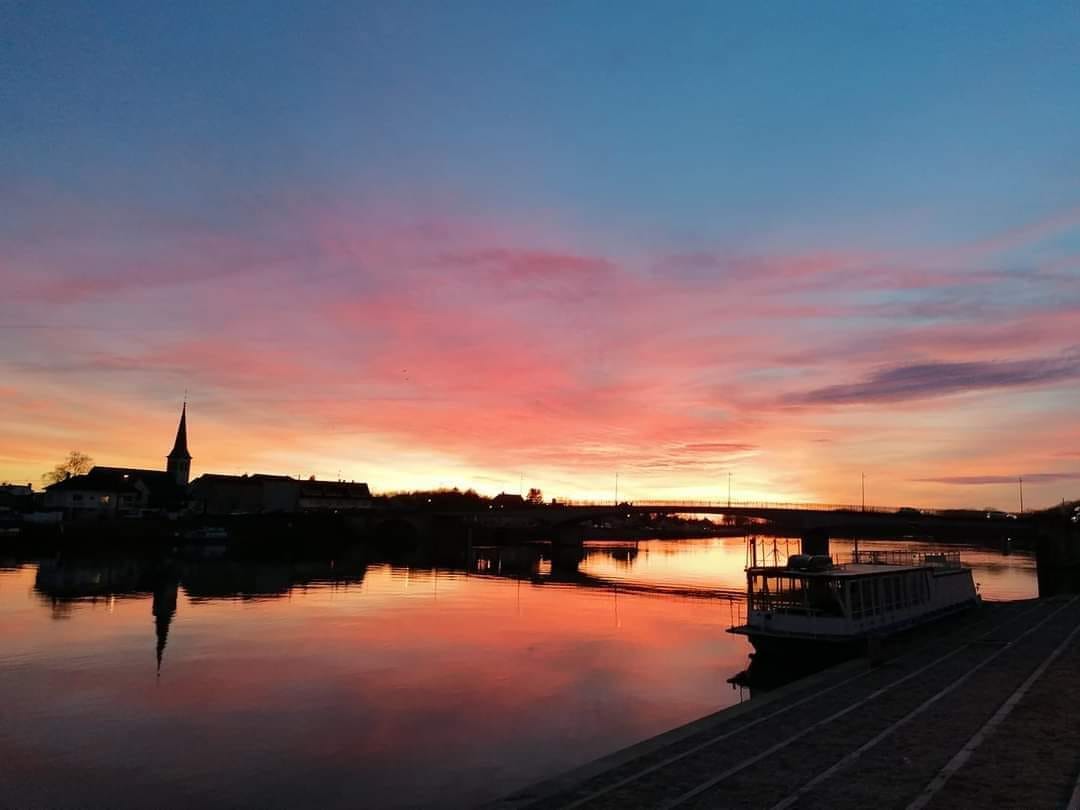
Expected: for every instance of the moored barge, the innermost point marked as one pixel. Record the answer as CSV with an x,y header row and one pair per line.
x,y
812,606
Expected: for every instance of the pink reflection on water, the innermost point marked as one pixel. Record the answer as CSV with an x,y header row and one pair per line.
x,y
369,684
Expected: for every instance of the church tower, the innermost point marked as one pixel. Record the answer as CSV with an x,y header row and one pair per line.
x,y
178,463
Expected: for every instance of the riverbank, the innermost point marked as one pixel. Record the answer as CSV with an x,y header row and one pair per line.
x,y
977,713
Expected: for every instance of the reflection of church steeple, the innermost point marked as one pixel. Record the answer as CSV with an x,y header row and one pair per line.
x,y
163,608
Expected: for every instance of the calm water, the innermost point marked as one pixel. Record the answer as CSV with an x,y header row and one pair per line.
x,y
360,683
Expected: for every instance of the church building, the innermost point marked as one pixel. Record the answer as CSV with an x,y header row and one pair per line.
x,y
127,491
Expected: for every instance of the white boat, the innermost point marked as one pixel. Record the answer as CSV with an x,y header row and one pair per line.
x,y
812,604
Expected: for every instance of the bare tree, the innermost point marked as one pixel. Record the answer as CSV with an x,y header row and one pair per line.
x,y
75,464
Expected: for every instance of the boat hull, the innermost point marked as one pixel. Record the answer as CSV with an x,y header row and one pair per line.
x,y
824,648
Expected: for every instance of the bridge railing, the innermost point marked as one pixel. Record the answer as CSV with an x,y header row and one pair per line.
x,y
801,506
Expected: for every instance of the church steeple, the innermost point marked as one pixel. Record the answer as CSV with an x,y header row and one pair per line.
x,y
178,462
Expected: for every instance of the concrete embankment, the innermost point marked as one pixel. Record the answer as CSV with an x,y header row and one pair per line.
x,y
979,712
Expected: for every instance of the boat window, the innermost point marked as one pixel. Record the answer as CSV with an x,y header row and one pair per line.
x,y
795,594
855,599
870,602
823,596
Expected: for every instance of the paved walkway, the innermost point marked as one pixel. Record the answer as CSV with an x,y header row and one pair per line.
x,y
983,713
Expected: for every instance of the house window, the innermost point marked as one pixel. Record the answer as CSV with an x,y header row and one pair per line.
x,y
77,496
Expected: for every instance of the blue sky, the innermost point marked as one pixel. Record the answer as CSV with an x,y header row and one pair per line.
x,y
698,119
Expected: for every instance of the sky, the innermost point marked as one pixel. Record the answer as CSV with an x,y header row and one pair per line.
x,y
498,245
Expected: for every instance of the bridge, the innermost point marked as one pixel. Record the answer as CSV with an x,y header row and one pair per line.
x,y
813,522
567,524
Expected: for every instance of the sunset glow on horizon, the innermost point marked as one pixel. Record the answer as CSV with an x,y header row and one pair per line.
x,y
493,247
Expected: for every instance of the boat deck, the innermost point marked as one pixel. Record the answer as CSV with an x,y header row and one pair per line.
x,y
978,711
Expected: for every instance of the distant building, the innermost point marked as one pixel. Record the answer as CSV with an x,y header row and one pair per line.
x,y
214,494
127,491
505,500
132,492
335,496
16,496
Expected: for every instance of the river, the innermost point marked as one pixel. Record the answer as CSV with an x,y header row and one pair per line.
x,y
360,682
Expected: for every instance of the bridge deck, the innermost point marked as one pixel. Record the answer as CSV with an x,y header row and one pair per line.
x,y
979,714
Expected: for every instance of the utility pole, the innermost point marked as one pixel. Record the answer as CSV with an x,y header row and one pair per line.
x,y
1021,480
616,488
864,492
729,489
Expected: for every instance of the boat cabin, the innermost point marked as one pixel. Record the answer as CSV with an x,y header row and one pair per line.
x,y
877,591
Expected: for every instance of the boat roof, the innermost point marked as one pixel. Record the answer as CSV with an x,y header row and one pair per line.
x,y
843,570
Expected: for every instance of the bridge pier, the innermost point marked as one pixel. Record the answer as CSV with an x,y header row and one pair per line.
x,y
567,536
567,559
1057,561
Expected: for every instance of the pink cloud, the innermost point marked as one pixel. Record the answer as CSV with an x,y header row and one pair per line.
x,y
1020,236
502,344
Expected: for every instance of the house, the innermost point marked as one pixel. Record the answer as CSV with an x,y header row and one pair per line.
x,y
116,492
336,496
505,500
213,494
102,496
16,496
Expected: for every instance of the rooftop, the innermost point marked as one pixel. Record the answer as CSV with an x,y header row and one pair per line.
x,y
864,563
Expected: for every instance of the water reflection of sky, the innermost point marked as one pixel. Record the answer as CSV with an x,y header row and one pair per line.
x,y
718,563
362,683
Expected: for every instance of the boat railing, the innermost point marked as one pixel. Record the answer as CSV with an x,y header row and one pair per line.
x,y
939,559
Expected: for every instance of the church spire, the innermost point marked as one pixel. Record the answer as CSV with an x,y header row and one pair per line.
x,y
178,462
180,445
